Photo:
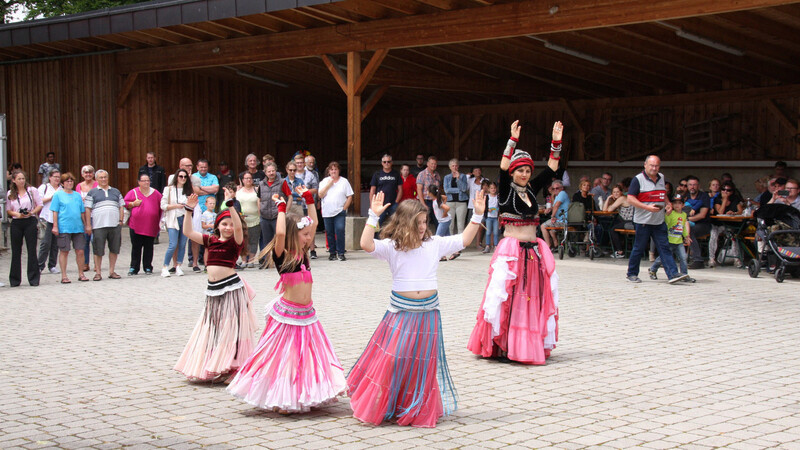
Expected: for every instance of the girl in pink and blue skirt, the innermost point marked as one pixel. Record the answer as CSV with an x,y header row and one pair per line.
x,y
293,367
402,374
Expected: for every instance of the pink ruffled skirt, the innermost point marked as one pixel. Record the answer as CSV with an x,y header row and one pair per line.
x,y
403,372
294,367
223,337
518,316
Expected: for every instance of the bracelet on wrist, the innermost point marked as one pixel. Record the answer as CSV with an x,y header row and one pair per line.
x,y
188,208
282,207
372,221
229,203
513,139
476,218
308,197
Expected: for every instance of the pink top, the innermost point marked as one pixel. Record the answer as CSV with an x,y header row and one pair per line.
x,y
30,200
83,193
145,217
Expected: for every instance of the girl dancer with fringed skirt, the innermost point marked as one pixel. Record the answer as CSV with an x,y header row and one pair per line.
x,y
518,317
223,336
402,374
294,367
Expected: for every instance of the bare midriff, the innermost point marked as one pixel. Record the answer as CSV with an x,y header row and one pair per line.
x,y
417,294
300,293
525,233
216,273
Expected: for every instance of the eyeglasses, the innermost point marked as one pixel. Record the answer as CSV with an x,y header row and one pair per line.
x,y
291,170
386,162
144,181
682,184
181,176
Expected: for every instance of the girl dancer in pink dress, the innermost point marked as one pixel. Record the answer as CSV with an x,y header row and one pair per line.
x,y
223,336
518,317
294,367
402,374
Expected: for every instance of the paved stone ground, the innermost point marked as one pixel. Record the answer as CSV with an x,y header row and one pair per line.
x,y
714,364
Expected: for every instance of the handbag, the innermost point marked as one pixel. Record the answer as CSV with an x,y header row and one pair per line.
x,y
126,214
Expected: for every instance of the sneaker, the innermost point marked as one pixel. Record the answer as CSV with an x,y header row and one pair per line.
x,y
634,279
313,254
652,274
165,272
485,249
332,257
696,265
737,263
55,270
132,272
238,266
178,271
148,271
618,255
342,258
250,265
196,269
173,270
712,262
205,269
678,277
689,279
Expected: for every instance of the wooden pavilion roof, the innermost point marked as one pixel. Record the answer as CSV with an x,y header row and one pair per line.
x,y
443,52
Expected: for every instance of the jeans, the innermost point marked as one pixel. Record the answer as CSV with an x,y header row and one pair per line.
x,y
334,232
492,231
433,222
458,214
267,230
48,250
386,214
642,241
678,254
443,229
177,241
698,229
141,251
26,229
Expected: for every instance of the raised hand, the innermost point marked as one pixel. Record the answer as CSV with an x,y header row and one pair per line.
x,y
377,205
277,199
191,201
479,204
558,129
301,190
229,194
515,127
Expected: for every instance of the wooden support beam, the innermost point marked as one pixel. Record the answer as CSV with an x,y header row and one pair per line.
x,y
444,127
369,71
125,91
335,71
354,128
463,25
782,117
372,100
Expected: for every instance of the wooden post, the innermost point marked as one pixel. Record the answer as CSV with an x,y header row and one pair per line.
x,y
354,128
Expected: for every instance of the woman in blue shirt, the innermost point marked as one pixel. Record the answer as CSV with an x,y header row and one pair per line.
x,y
69,224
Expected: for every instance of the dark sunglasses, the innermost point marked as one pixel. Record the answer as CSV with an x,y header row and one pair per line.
x,y
181,176
728,190
386,162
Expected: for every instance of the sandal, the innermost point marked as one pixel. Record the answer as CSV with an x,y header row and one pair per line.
x,y
97,277
114,276
443,258
83,278
454,256
65,281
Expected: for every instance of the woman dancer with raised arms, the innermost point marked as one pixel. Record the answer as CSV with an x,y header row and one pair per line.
x,y
518,317
294,367
223,336
402,374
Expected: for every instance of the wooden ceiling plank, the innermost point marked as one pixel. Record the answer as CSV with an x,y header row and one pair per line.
x,y
268,23
138,36
489,22
297,19
191,33
412,58
755,42
410,8
338,15
756,25
358,8
166,35
105,45
788,14
240,26
122,41
321,17
217,30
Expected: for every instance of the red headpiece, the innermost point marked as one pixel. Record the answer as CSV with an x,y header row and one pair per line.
x,y
220,216
519,159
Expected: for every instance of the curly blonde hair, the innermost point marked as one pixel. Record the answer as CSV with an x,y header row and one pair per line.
x,y
402,226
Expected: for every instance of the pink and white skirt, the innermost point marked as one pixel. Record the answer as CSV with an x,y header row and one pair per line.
x,y
402,374
223,336
294,367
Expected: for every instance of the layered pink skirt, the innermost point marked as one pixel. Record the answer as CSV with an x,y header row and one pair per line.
x,y
223,337
403,372
294,367
518,316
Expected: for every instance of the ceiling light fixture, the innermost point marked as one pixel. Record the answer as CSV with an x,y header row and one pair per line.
x,y
257,77
703,40
571,52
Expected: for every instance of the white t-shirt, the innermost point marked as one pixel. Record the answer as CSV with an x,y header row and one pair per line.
x,y
493,209
415,270
439,213
333,202
44,190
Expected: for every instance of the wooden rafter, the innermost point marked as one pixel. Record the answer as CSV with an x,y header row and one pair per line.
x,y
489,22
340,77
372,100
782,117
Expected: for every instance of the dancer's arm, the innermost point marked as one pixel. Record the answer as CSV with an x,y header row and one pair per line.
x,y
308,196
238,234
376,208
280,226
474,225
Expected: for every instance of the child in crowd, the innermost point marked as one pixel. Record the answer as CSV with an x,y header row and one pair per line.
x,y
294,367
678,235
207,221
492,225
403,372
223,336
441,210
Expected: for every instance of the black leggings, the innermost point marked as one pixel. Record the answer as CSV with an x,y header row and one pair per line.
x,y
616,238
26,229
141,251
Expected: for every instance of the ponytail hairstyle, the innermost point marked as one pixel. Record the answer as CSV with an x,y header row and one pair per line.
x,y
402,226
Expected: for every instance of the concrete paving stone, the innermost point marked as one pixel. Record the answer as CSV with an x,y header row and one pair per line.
x,y
18,442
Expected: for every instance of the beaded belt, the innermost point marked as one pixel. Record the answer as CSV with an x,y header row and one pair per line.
x,y
399,303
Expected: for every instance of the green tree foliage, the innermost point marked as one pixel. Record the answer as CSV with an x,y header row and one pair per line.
x,y
36,9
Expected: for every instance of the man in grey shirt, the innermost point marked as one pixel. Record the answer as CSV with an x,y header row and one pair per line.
x,y
602,191
104,204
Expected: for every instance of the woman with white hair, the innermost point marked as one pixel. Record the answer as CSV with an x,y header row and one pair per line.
x,y
83,188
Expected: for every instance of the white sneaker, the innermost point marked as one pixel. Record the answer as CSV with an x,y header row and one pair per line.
x,y
55,270
165,272
178,271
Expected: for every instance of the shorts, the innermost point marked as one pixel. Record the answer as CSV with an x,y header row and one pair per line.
x,y
111,234
553,223
78,241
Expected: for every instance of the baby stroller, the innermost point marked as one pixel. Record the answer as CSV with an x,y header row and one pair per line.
x,y
778,226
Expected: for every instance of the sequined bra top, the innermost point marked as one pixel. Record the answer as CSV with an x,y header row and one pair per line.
x,y
297,273
513,210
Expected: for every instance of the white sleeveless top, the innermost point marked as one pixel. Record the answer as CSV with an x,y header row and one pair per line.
x,y
415,270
